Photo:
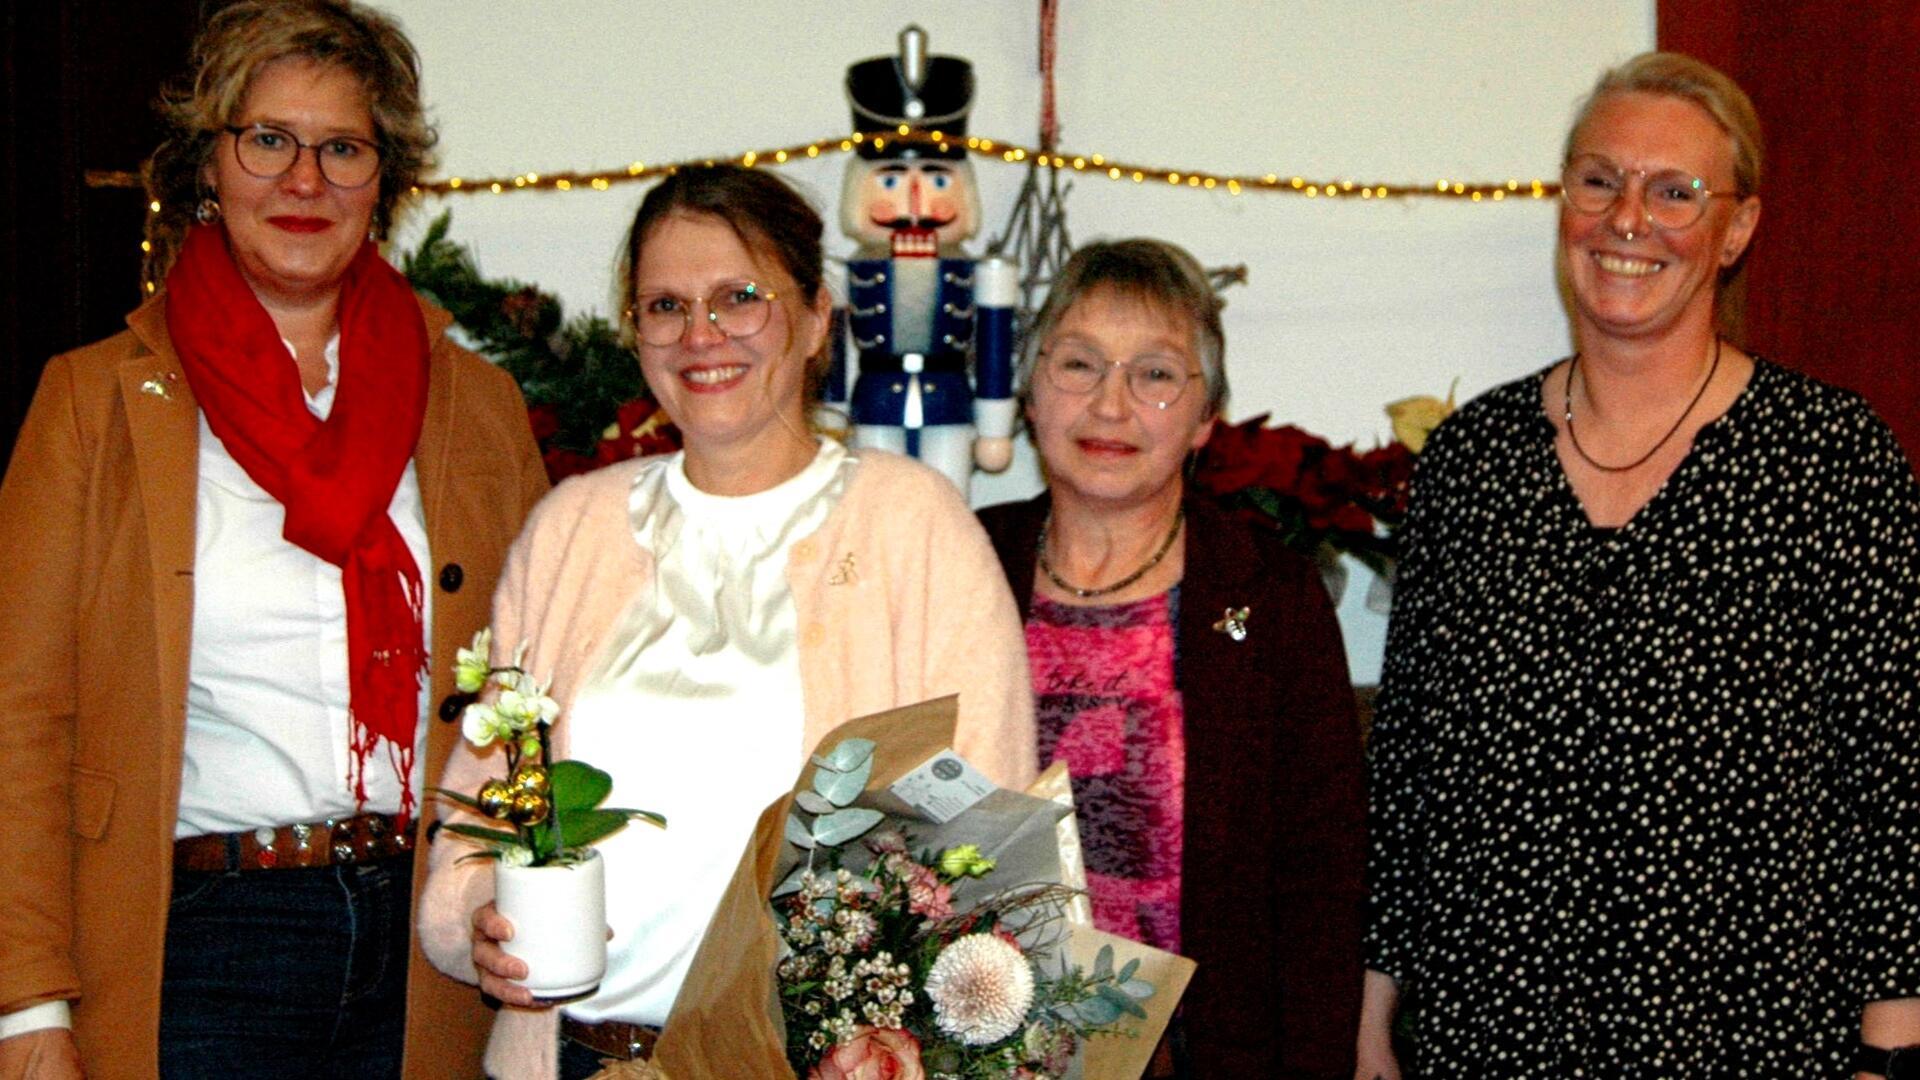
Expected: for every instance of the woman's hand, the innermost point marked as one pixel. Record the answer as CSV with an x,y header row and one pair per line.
x,y
1373,1050
496,968
46,1054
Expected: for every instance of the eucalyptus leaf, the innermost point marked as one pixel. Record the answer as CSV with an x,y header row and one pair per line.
x,y
797,833
843,825
1103,963
1137,989
812,803
1120,1001
483,834
790,885
1127,970
1097,1012
578,785
847,755
841,788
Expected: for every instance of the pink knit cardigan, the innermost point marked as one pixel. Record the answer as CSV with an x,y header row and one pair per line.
x,y
899,599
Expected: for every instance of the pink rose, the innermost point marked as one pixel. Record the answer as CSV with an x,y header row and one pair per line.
x,y
872,1053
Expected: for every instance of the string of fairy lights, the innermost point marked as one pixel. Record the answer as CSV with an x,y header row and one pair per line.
x,y
1012,153
1093,165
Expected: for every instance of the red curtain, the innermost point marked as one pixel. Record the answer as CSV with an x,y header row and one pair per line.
x,y
1833,287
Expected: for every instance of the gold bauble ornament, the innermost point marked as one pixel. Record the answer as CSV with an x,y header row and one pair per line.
x,y
529,808
495,799
532,778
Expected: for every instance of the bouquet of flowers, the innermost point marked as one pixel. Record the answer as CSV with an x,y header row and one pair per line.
x,y
898,930
552,808
882,964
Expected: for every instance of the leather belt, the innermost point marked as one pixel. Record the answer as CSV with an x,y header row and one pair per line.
x,y
613,1038
333,842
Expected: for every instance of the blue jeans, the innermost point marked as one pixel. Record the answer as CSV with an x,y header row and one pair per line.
x,y
287,973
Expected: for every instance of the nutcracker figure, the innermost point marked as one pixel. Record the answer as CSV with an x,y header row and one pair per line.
x,y
931,326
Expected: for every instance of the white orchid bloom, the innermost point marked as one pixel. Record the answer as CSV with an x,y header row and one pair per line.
x,y
472,665
480,724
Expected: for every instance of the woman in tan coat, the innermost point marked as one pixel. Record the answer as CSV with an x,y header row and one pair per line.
x,y
235,534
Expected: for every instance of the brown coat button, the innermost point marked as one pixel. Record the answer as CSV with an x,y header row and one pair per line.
x,y
453,705
451,576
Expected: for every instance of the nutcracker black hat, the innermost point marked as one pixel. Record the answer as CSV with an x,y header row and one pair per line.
x,y
926,93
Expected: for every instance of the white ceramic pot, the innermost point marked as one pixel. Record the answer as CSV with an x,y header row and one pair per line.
x,y
559,916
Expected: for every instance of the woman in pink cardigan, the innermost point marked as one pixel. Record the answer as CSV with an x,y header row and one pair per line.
x,y
707,617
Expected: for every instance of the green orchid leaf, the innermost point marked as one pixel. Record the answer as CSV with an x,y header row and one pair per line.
x,y
580,828
841,787
484,835
578,785
467,801
797,834
813,803
843,825
647,816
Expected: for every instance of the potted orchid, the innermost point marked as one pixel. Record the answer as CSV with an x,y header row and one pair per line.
x,y
548,879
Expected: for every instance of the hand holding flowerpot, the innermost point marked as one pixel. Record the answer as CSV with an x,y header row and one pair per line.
x,y
544,937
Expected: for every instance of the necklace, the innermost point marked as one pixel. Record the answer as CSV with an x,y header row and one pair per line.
x,y
1088,594
1648,456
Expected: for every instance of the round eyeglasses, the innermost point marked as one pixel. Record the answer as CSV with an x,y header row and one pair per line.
x,y
1673,199
737,309
1155,379
345,161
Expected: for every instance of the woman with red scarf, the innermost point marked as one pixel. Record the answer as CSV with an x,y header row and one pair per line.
x,y
236,532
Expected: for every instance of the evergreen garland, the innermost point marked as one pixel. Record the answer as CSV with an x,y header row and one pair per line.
x,y
586,399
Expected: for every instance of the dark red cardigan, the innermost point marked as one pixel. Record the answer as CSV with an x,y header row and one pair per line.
x,y
1271,882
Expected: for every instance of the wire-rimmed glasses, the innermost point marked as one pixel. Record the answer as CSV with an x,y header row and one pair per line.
x,y
266,151
1674,199
1155,379
737,309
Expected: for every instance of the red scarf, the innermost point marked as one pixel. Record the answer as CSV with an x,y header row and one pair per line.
x,y
335,478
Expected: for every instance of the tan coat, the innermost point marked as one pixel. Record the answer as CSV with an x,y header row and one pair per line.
x,y
899,599
97,536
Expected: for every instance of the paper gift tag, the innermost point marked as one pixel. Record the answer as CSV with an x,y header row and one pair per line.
x,y
942,788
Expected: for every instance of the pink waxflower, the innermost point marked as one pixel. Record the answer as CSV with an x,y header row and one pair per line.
x,y
927,896
870,1053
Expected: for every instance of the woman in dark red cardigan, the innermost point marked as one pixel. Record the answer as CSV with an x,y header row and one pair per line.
x,y
1189,670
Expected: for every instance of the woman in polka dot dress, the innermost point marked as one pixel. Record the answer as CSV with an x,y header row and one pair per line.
x,y
1644,776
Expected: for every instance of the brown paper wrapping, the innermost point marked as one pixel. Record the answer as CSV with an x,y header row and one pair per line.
x,y
726,1022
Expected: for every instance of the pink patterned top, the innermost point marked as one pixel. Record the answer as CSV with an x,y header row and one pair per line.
x,y
1107,705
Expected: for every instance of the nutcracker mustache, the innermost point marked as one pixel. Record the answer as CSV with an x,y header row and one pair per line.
x,y
908,221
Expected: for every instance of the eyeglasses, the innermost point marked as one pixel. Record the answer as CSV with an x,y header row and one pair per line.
x,y
1674,200
345,161
1155,379
737,309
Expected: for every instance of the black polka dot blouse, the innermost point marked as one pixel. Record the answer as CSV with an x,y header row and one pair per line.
x,y
1646,802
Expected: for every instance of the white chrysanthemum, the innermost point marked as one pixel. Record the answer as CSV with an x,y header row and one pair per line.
x,y
981,987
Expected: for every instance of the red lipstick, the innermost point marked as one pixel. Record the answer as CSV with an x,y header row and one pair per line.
x,y
295,224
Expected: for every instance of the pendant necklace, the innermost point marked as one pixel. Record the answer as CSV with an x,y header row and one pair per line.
x,y
1088,594
1646,457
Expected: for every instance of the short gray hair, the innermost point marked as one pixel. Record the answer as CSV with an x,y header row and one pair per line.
x,y
1152,272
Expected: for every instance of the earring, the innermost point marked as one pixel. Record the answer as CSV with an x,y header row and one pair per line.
x,y
208,211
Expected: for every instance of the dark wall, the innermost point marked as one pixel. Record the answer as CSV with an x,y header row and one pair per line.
x,y
1833,286
80,80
